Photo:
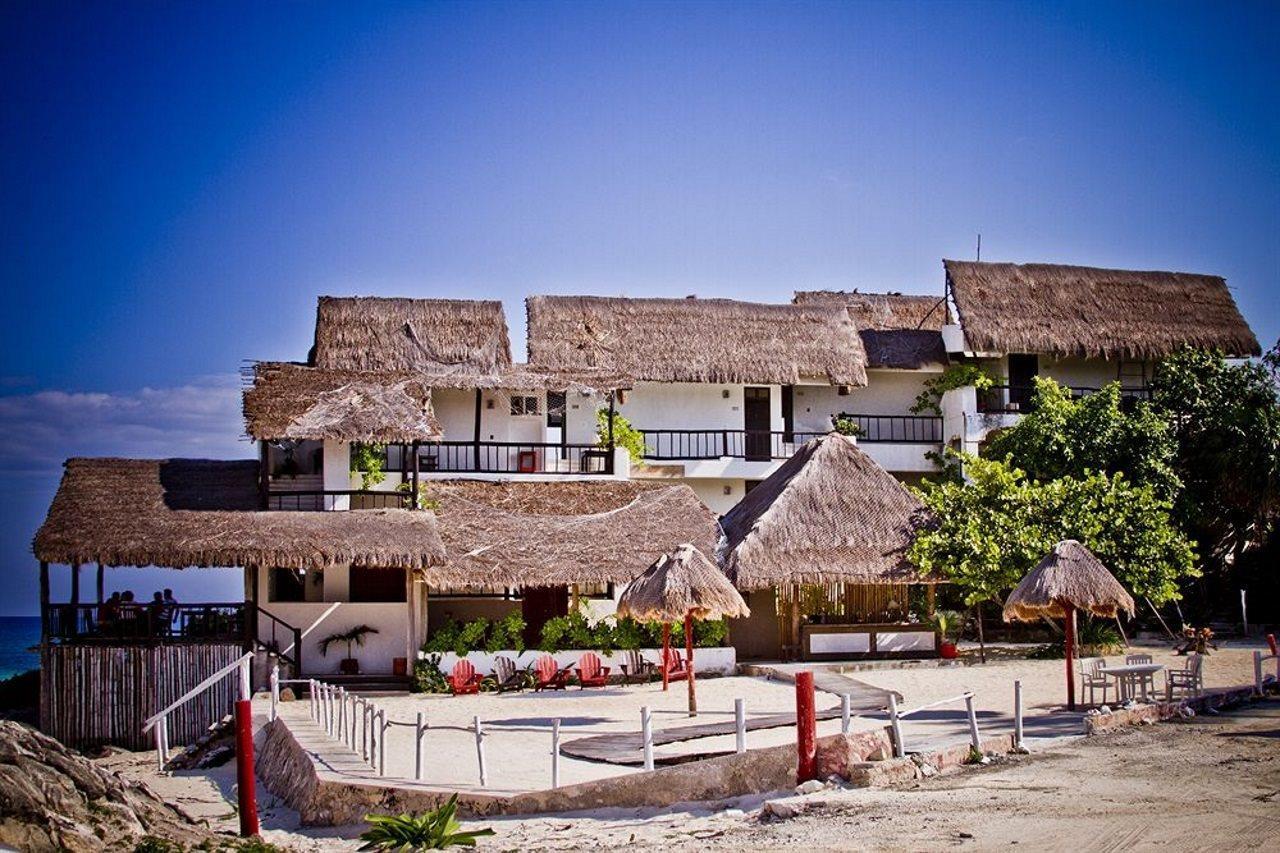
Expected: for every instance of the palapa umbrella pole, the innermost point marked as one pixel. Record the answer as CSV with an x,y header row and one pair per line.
x,y
1070,625
688,652
666,653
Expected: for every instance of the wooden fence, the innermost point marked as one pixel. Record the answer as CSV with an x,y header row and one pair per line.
x,y
97,694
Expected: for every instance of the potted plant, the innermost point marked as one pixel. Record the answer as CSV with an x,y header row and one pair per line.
x,y
352,637
946,622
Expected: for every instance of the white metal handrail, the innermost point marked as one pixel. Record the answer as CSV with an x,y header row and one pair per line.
x,y
198,689
896,716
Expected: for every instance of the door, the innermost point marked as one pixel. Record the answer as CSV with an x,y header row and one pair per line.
x,y
537,605
756,422
1023,370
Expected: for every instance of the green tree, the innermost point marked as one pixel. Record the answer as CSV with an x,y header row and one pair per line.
x,y
624,434
1225,419
1062,436
994,528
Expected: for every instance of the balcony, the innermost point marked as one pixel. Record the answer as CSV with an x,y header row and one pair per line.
x,y
1018,399
140,624
761,446
499,457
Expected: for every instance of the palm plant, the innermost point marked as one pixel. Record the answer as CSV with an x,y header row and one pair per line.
x,y
433,830
352,637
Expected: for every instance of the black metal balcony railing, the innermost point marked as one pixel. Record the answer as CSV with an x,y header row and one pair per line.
x,y
329,499
756,445
1019,399
898,429
501,457
140,623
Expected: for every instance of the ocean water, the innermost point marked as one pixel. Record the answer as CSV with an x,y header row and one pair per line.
x,y
18,636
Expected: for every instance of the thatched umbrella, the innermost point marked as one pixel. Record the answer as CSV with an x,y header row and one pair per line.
x,y
1070,578
683,584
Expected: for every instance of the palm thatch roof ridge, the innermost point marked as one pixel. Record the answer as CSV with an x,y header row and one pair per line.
x,y
508,533
381,334
1070,573
683,581
180,513
829,514
292,401
695,340
898,331
1090,312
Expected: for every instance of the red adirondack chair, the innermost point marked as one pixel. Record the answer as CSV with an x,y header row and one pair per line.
x,y
590,672
677,669
548,675
464,679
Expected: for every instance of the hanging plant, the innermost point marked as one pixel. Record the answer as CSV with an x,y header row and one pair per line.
x,y
367,461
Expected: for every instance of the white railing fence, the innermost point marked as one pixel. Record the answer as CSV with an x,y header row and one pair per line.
x,y
896,717
1258,659
160,720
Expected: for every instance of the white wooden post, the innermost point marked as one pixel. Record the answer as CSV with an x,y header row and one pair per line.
x,y
484,776
844,713
342,712
555,753
417,748
1257,672
246,689
160,746
973,722
164,739
646,736
899,748
740,725
382,742
1017,715
275,689
333,709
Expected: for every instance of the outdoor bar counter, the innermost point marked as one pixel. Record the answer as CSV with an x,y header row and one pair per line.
x,y
868,640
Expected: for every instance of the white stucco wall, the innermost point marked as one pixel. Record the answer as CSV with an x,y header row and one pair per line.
x,y
887,392
695,406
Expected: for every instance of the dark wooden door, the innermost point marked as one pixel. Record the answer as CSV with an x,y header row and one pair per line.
x,y
537,605
1023,370
756,422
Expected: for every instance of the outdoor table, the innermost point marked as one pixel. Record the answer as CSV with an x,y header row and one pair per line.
x,y
1126,675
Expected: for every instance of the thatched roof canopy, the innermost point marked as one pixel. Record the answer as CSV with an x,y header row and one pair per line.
x,y
299,402
695,340
682,582
549,533
1070,574
897,330
882,312
377,334
1088,312
829,514
178,513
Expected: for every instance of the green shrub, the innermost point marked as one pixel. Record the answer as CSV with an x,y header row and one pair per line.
x,y
506,633
428,677
433,830
444,638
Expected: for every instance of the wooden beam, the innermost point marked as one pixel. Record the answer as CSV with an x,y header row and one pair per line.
x,y
75,583
417,464
44,603
101,587
264,475
475,442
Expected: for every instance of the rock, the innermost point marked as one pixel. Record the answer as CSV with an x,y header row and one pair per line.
x,y
1186,713
880,754
812,786
1020,750
287,694
54,799
927,770
775,810
1105,709
835,781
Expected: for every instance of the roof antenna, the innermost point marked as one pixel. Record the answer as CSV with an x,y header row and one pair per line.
x,y
979,246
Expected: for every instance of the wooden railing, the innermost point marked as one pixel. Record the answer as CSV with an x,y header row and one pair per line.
x,y
109,624
753,445
897,429
502,457
331,499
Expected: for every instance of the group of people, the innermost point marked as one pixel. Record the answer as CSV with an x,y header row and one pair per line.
x,y
122,613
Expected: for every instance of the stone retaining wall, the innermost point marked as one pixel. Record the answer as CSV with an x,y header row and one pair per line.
x,y
1157,711
330,790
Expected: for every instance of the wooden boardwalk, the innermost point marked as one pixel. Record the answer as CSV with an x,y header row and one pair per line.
x,y
627,748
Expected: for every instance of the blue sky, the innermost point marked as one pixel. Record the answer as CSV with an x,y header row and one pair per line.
x,y
180,181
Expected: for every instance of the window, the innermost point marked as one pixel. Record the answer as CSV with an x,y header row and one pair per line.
x,y
371,584
555,409
594,590
522,405
285,585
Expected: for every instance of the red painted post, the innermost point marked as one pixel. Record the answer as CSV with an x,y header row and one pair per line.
x,y
666,652
1070,621
246,795
806,728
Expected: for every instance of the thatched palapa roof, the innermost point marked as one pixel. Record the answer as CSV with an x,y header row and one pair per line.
x,y
299,402
178,513
897,330
695,340
828,514
1089,312
1070,574
549,533
682,582
377,334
